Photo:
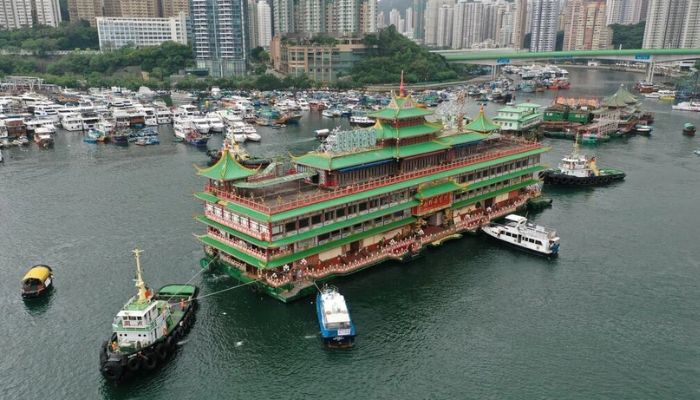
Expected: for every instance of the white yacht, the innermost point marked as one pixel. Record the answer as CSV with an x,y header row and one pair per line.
x,y
72,122
34,124
150,117
164,116
122,119
518,232
303,105
687,106
90,120
201,124
216,123
229,116
47,110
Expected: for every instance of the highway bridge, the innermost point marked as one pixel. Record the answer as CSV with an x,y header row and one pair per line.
x,y
498,57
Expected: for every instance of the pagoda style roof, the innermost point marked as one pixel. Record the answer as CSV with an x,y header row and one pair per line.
x,y
330,161
400,108
482,124
227,169
621,98
386,131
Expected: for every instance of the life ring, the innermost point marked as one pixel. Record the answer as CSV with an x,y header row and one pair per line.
x,y
162,351
133,364
150,361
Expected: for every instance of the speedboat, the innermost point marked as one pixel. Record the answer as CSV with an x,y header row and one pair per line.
x,y
37,281
255,137
334,319
146,330
520,233
687,106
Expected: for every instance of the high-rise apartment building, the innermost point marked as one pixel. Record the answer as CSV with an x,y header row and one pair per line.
x,y
419,20
432,9
394,17
368,16
139,8
545,22
86,10
504,36
171,8
264,23
624,12
585,26
665,22
445,17
282,17
311,16
409,23
253,34
15,14
520,23
346,17
690,38
381,21
218,34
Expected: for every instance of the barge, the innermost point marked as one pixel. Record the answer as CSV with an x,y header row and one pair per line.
x,y
366,196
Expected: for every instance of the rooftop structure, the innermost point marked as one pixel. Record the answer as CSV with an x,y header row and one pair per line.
x,y
519,118
365,196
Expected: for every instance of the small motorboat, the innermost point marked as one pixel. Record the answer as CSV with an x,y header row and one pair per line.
x,y
643,129
322,133
147,141
255,137
334,320
37,281
689,129
520,233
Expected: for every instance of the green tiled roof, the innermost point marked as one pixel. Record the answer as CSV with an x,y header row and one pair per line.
x,y
330,162
401,185
206,197
440,188
462,138
226,169
400,108
374,192
621,98
386,131
482,124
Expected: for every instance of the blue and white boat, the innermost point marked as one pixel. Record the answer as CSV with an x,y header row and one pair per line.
x,y
334,320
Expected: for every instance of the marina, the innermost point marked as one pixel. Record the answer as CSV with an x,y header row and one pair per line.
x,y
468,311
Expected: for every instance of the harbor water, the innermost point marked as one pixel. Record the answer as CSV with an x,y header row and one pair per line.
x,y
616,316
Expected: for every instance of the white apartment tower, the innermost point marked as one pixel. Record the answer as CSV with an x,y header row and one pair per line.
x,y
264,24
368,16
219,36
444,26
16,14
545,20
312,16
665,24
282,17
624,12
690,38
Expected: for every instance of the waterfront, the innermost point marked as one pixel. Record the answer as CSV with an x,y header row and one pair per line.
x,y
616,316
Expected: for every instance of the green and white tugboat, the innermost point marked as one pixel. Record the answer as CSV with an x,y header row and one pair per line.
x,y
578,169
146,330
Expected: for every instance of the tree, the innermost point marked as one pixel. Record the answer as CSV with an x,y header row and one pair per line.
x,y
628,36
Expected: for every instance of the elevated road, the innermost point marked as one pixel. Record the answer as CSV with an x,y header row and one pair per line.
x,y
498,57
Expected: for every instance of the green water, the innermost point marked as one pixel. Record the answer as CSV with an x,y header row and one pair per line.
x,y
616,316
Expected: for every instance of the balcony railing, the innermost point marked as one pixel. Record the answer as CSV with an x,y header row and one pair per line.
x,y
259,205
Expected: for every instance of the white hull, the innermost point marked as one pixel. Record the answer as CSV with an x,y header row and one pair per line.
x,y
164,120
496,232
72,126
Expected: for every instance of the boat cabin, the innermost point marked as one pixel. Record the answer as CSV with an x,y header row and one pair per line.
x,y
140,324
36,281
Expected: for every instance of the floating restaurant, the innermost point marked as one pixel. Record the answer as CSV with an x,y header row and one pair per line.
x,y
366,196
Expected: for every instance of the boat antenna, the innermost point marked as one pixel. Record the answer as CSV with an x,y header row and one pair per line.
x,y
140,284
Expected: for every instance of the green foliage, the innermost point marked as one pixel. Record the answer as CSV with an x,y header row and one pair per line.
x,y
41,39
389,53
323,39
259,55
628,36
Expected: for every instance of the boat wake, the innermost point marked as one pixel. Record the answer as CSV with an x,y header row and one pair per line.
x,y
239,344
181,342
310,336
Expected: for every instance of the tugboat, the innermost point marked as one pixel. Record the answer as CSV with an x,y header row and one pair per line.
x,y
37,281
147,328
337,328
580,170
518,232
689,129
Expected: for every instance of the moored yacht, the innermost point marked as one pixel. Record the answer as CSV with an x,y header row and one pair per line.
x,y
518,232
216,123
164,116
72,122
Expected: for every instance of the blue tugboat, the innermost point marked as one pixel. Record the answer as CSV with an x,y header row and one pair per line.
x,y
337,328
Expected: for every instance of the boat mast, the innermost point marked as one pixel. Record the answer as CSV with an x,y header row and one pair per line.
x,y
140,284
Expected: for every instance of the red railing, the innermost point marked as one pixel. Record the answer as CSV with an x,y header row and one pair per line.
x,y
238,227
318,197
